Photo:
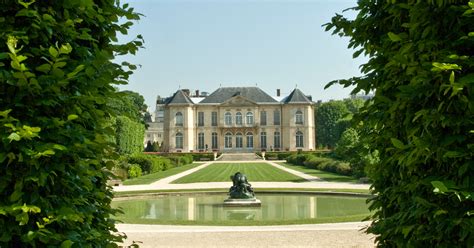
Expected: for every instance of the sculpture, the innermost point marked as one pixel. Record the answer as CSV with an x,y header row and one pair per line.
x,y
241,188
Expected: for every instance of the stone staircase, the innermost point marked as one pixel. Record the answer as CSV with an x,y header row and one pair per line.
x,y
239,157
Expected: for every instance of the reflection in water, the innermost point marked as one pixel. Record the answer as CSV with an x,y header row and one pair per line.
x,y
274,207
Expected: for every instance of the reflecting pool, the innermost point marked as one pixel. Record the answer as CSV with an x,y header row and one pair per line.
x,y
208,208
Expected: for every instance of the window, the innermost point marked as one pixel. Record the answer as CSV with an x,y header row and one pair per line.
x,y
276,140
263,118
238,118
299,139
214,140
249,140
214,119
276,117
238,140
299,117
228,118
200,119
263,140
228,140
179,119
201,141
179,140
249,119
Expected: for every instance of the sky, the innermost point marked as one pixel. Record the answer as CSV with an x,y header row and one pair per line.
x,y
206,44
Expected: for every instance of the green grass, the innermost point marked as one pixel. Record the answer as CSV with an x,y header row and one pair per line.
x,y
327,176
150,178
255,172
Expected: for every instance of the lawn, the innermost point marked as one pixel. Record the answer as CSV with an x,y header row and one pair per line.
x,y
150,178
255,172
327,176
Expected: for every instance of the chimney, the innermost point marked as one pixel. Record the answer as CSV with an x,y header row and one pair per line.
x,y
278,92
197,93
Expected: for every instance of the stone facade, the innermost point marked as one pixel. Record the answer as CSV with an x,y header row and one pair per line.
x,y
238,119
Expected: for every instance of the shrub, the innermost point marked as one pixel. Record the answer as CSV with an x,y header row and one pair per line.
x,y
56,76
134,171
144,161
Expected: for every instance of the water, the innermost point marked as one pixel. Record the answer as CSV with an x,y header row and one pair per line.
x,y
209,208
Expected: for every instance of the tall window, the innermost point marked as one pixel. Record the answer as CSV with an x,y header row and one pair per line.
x,y
263,139
263,118
276,140
249,140
299,117
238,118
238,140
276,117
179,119
249,119
200,119
214,119
228,118
214,140
299,139
179,140
201,141
228,140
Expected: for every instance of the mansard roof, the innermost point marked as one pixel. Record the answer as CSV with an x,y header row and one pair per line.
x,y
296,96
252,93
179,98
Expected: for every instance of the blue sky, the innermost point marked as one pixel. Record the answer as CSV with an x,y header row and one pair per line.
x,y
204,44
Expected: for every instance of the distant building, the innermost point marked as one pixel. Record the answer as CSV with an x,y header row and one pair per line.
x,y
237,119
154,132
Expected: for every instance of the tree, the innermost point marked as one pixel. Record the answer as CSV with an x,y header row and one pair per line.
x,y
327,116
421,118
56,75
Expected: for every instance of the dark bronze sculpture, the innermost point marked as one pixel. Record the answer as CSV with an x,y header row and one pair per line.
x,y
241,188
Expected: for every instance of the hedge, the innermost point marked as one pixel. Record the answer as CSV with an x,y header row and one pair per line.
x,y
321,163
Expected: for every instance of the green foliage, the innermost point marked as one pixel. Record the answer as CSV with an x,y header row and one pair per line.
x,y
421,68
320,163
327,116
129,135
134,171
56,74
130,104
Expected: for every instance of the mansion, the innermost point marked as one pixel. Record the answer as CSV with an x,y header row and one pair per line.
x,y
237,119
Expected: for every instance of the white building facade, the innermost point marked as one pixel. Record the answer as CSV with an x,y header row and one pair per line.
x,y
238,119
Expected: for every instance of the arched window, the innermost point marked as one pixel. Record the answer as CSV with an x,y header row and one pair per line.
x,y
228,140
179,140
249,118
299,139
228,118
179,119
214,140
238,140
299,117
238,118
249,140
201,141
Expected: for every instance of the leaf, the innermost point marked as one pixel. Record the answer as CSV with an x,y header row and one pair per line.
x,y
397,143
44,68
14,137
394,37
72,117
66,244
65,49
53,52
439,187
451,77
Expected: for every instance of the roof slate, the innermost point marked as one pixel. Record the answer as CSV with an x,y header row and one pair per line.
x,y
179,98
296,96
252,93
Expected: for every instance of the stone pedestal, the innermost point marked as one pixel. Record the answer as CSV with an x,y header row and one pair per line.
x,y
254,202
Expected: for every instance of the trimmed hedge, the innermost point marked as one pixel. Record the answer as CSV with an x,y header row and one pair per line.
x,y
285,155
321,163
150,163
